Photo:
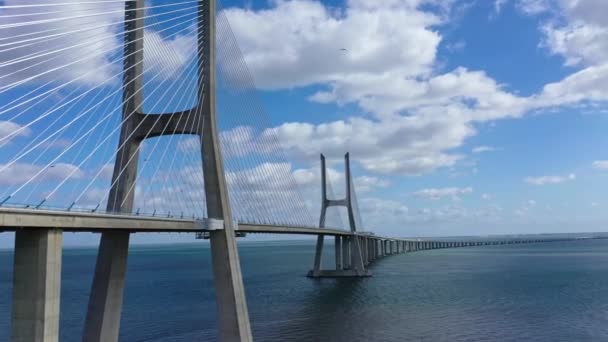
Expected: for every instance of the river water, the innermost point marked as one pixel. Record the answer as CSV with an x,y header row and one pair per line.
x,y
543,292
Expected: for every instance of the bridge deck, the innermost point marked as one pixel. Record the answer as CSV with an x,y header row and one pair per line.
x,y
12,219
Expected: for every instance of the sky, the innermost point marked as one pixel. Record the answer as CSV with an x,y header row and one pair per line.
x,y
462,117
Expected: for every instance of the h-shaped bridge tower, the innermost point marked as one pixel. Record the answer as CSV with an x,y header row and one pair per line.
x,y
350,251
105,302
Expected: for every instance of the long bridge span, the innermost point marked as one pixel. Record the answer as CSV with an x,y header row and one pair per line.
x,y
103,138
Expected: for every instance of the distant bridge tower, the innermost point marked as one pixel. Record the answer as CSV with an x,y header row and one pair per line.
x,y
105,302
350,251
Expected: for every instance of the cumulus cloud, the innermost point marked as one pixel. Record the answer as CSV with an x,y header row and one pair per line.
x,y
79,41
19,173
578,29
10,130
600,164
419,116
387,35
544,180
311,177
402,145
440,193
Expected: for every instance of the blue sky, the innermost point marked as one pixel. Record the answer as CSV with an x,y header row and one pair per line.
x,y
462,117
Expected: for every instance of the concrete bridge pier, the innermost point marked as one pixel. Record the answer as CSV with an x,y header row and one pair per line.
x,y
364,250
338,252
372,249
36,285
346,242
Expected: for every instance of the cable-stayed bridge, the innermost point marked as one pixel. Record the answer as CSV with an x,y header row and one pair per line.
x,y
141,116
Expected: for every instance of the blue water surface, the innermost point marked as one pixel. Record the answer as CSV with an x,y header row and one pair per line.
x,y
541,292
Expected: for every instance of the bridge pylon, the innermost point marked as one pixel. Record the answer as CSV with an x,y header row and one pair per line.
x,y
105,301
350,253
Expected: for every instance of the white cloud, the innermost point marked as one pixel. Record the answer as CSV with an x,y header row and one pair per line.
x,y
578,29
311,177
19,173
600,164
533,6
402,145
437,194
499,4
105,172
419,116
168,55
79,43
393,35
482,149
544,180
100,32
10,130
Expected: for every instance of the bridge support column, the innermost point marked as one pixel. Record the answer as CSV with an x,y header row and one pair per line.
x,y
365,251
36,285
105,302
374,244
346,241
375,248
318,255
338,252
